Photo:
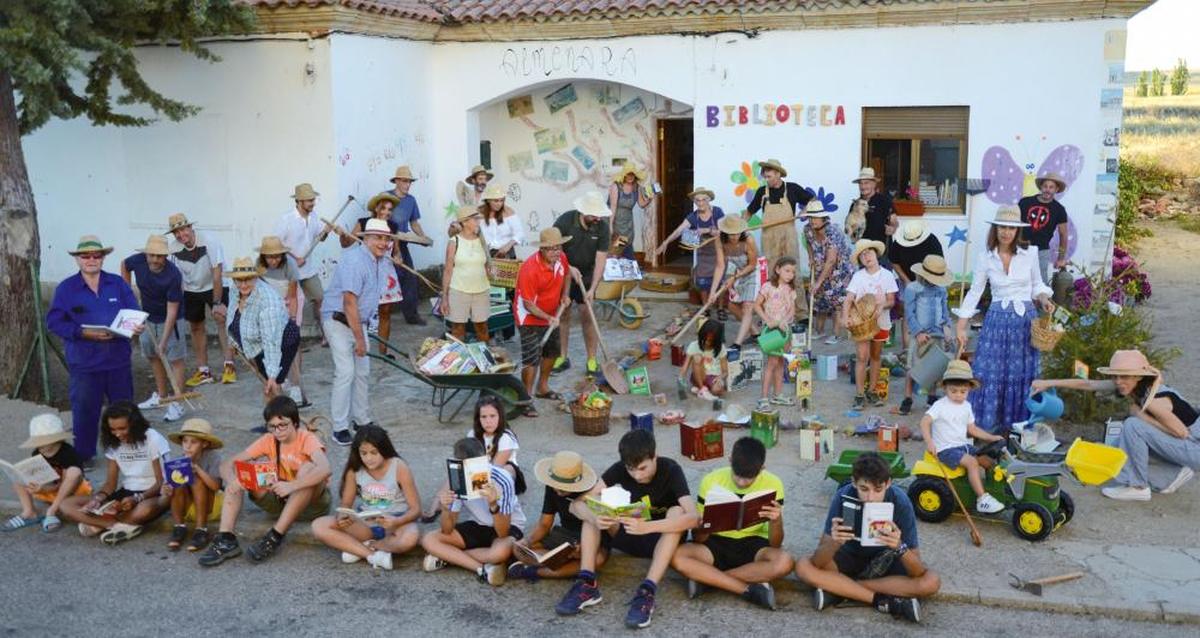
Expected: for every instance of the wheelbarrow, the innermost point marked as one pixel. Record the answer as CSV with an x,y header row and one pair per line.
x,y
447,387
611,301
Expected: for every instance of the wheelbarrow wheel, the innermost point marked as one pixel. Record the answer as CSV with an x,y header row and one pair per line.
x,y
629,313
512,397
1031,521
931,498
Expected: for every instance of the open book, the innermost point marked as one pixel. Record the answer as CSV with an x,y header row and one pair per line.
x,y
123,325
366,517
550,559
107,508
256,475
34,470
868,520
469,476
178,472
725,511
614,502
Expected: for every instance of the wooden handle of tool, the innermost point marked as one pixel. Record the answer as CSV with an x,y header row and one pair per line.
x,y
1050,580
549,330
250,364
317,240
711,298
591,315
976,538
410,269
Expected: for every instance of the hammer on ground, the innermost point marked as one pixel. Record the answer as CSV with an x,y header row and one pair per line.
x,y
1035,586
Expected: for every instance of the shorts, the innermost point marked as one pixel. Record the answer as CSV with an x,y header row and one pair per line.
x,y
273,505
531,352
48,496
576,293
951,457
641,546
148,340
466,306
194,303
288,349
882,335
854,563
559,535
731,553
477,536
703,284
312,288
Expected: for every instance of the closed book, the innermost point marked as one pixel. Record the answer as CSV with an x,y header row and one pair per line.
x,y
179,472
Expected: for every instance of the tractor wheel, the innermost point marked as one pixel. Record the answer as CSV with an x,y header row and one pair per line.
x,y
932,500
1066,509
629,315
1032,521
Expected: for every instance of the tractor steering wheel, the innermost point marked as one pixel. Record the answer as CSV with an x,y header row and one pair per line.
x,y
995,449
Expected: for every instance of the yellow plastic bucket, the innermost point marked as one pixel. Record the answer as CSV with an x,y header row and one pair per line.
x,y
1094,463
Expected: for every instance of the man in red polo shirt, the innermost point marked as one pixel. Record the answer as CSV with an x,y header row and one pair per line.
x,y
541,296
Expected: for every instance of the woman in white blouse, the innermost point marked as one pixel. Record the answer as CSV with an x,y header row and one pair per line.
x,y
502,228
1005,363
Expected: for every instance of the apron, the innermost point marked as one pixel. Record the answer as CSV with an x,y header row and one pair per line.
x,y
781,240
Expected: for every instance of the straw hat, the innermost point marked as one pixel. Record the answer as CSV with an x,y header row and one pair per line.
x,y
1128,363
1052,177
404,172
628,168
959,370
466,212
734,413
304,192
477,169
552,236
177,221
772,163
384,196
244,268
377,227
864,244
702,191
494,191
199,429
45,429
565,471
156,245
732,225
933,269
815,208
912,232
272,245
865,173
1008,216
592,203
90,244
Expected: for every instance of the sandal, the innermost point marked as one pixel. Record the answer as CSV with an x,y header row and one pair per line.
x,y
178,533
783,399
722,314
51,523
530,412
551,395
17,522
200,539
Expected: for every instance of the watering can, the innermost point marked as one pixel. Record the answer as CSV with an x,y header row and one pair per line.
x,y
1045,406
772,341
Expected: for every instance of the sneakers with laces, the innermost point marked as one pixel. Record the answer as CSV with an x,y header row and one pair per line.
x,y
641,609
153,402
342,437
119,533
174,412
492,574
201,377
432,563
860,401
905,407
581,594
832,340
178,535
521,571
1185,474
264,548
782,399
906,608
592,365
222,549
761,594
380,560
875,400
350,559
1127,493
561,364
229,373
824,600
987,504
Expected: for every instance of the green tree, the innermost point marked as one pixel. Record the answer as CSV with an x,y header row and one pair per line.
x,y
1158,81
1143,85
71,58
1179,78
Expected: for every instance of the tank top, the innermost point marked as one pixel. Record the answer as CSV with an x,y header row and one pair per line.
x,y
1184,411
470,272
380,494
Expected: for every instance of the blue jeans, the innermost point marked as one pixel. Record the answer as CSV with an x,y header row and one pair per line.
x,y
89,391
1140,440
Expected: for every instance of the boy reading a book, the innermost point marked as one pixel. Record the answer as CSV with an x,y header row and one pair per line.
x,y
741,561
483,543
301,492
49,439
657,482
200,447
890,577
566,478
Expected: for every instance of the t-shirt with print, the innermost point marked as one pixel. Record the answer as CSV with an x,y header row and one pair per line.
x,y
712,365
294,453
554,503
157,289
196,263
879,283
210,462
1043,219
879,209
902,515
477,508
64,458
662,492
723,478
136,462
508,441
950,421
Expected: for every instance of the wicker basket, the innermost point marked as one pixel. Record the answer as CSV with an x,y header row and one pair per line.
x,y
1042,334
587,421
864,319
668,282
506,272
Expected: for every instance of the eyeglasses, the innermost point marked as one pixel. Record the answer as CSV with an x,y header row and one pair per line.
x,y
91,256
279,426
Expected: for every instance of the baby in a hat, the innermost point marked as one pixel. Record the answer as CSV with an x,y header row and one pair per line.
x,y
53,473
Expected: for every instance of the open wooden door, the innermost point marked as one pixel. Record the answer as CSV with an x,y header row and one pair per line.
x,y
675,174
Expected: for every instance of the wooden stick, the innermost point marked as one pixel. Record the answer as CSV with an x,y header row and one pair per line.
x,y
1051,580
179,394
777,222
400,263
317,240
549,330
720,291
976,539
812,297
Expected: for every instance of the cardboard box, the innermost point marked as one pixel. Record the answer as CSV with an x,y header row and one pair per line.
x,y
827,367
881,386
702,442
889,438
815,443
764,426
641,421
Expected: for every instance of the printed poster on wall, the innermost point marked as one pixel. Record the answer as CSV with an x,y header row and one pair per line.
x,y
634,108
518,162
550,139
561,98
584,157
520,106
555,170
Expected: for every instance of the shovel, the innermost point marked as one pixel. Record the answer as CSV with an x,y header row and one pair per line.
x,y
711,298
179,395
612,372
1035,586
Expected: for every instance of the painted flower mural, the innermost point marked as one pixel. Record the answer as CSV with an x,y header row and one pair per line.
x,y
826,199
745,181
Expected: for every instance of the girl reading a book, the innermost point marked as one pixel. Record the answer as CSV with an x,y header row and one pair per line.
x,y
776,306
375,519
193,490
492,430
50,440
707,365
134,451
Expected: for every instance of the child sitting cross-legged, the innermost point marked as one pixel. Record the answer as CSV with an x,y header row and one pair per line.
x,y
707,365
376,480
482,544
566,478
947,425
50,439
200,445
742,561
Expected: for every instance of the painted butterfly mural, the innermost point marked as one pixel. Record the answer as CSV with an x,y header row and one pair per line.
x,y
1009,181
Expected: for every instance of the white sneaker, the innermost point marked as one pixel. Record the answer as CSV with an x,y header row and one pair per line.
x,y
381,560
295,395
349,558
495,574
174,412
1127,493
119,533
432,563
88,531
832,340
987,504
1185,474
149,404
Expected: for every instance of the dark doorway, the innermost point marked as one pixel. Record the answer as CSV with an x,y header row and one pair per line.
x,y
675,173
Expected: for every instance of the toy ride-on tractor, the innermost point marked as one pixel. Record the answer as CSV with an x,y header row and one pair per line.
x,y
1027,484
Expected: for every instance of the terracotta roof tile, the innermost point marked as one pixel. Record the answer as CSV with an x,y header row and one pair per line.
x,y
413,9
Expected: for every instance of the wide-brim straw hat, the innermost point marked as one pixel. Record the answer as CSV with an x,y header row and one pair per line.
x,y
732,225
199,429
377,227
565,471
45,429
629,168
272,245
374,201
933,269
404,172
815,208
244,268
90,244
772,163
466,212
1052,177
1128,363
494,191
912,232
552,236
304,192
865,173
477,169
177,221
1008,216
702,191
864,244
959,370
592,204
156,245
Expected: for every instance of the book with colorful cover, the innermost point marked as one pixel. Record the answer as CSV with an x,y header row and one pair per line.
x,y
725,511
179,472
107,508
256,475
469,476
550,559
123,325
366,517
614,502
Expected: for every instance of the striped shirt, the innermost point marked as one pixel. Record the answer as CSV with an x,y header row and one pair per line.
x,y
477,508
260,325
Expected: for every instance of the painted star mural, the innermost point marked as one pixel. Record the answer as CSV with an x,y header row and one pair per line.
x,y
956,234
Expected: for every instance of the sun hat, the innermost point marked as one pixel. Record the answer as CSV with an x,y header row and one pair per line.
x,y
494,191
1128,363
592,203
477,169
244,268
552,237
177,221
376,227
466,212
933,269
272,245
734,413
912,232
1052,177
90,244
156,245
865,173
959,370
1008,216
815,208
626,169
732,225
702,191
385,196
772,163
864,244
304,192
565,471
45,429
197,428
404,172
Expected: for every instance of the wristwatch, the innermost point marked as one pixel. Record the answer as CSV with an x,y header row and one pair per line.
x,y
902,549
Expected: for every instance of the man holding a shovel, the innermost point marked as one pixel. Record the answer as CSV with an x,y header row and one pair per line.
x,y
540,299
160,286
586,248
301,230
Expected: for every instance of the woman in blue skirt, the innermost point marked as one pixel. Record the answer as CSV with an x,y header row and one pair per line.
x,y
1005,362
